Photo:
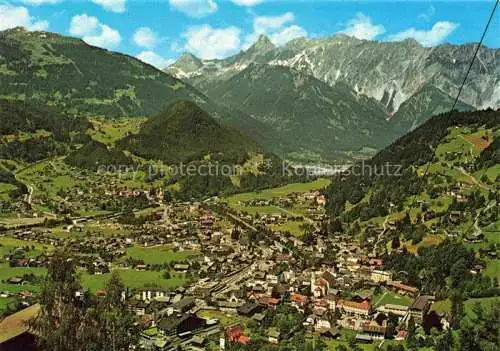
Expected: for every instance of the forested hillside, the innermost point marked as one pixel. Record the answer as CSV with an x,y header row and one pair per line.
x,y
463,172
185,132
70,76
30,133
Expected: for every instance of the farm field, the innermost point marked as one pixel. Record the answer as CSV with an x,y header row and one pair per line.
x,y
157,254
299,210
428,240
293,227
224,318
8,244
491,173
7,272
109,131
276,192
391,298
385,297
493,269
133,279
11,222
445,305
106,227
492,237
5,302
347,335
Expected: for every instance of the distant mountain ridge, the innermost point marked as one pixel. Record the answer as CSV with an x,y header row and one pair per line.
x,y
389,72
393,88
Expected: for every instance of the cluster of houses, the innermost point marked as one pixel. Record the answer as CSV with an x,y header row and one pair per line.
x,y
239,279
258,279
177,316
313,199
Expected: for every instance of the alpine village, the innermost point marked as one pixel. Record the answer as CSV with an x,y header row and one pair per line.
x,y
316,195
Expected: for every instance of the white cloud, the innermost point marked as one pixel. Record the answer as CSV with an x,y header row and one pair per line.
x,y
107,38
19,16
428,14
111,5
264,24
195,8
209,43
41,2
94,32
289,33
275,27
83,25
436,35
248,3
154,59
361,27
39,25
145,37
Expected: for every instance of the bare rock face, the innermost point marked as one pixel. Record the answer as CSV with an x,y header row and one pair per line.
x,y
390,72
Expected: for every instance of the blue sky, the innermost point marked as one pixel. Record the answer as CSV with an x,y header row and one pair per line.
x,y
159,31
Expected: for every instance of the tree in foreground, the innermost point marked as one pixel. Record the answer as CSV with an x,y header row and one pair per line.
x,y
70,320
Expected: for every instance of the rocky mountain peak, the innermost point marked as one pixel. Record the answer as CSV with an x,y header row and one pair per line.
x,y
187,63
262,44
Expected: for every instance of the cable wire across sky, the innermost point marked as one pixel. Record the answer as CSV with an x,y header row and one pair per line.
x,y
426,172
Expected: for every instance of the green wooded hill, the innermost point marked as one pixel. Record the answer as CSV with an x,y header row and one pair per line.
x,y
55,154
312,116
66,73
185,132
463,176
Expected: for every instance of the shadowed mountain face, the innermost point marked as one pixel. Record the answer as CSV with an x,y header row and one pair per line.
x,y
310,114
428,101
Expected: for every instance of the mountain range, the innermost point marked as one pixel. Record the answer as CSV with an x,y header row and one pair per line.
x,y
393,87
328,99
389,72
312,116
